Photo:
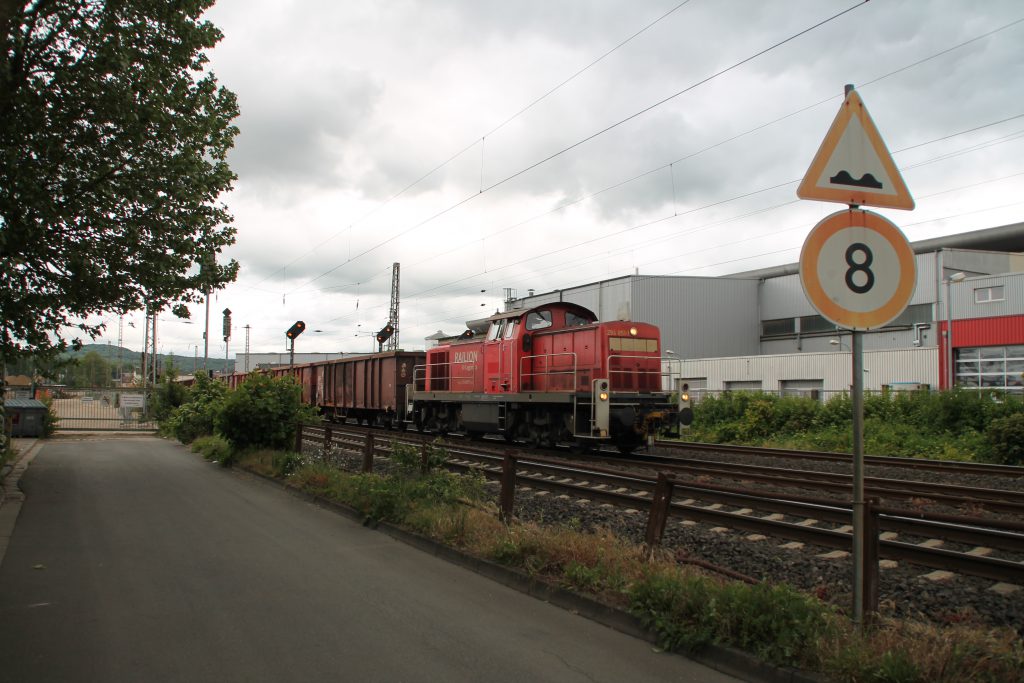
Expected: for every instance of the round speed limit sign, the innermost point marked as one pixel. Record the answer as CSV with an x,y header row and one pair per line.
x,y
857,269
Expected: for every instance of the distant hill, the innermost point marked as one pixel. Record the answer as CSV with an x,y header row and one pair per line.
x,y
184,364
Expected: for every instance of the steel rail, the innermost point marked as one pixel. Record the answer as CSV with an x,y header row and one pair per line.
x,y
995,499
879,460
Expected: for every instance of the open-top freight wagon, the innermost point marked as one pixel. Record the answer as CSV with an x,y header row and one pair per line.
x,y
371,389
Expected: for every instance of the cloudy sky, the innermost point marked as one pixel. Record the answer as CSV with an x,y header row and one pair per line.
x,y
542,144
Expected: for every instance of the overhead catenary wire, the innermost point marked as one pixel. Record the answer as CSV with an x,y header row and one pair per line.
x,y
481,140
738,136
975,147
728,200
588,138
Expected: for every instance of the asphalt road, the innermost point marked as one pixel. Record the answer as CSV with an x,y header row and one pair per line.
x,y
134,560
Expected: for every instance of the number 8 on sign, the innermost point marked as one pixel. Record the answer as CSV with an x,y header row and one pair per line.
x,y
857,269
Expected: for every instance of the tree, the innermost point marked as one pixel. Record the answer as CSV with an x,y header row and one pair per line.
x,y
92,371
112,162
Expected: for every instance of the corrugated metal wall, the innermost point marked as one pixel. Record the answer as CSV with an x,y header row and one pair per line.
x,y
962,297
700,317
833,369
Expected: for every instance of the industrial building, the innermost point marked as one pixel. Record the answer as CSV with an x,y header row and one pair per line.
x,y
756,330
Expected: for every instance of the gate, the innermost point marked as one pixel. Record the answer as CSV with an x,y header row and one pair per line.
x,y
92,410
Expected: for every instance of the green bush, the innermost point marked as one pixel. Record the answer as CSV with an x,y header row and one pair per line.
x,y
196,417
408,458
215,449
1005,440
50,418
951,425
263,413
168,395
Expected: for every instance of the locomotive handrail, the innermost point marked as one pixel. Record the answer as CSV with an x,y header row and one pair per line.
x,y
636,372
419,377
548,372
422,385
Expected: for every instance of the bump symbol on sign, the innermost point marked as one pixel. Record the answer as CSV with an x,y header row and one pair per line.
x,y
853,165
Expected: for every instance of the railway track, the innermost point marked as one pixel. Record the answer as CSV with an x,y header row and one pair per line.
x,y
980,546
985,469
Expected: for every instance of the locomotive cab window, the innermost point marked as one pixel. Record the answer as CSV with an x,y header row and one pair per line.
x,y
495,331
510,328
538,320
574,320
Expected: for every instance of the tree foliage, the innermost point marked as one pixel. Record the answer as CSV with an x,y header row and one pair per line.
x,y
112,162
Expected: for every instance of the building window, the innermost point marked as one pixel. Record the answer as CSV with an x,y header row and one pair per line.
x,y
911,315
778,328
810,324
991,367
743,385
805,388
985,295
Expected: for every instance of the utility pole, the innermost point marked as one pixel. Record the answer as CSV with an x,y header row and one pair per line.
x,y
154,356
247,348
144,361
393,313
120,348
206,331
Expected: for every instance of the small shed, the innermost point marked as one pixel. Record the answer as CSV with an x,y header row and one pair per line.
x,y
25,416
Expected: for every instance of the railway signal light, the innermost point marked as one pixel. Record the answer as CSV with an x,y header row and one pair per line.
x,y
685,409
227,324
295,330
385,333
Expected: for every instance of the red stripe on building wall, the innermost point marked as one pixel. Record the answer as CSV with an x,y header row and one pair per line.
x,y
999,331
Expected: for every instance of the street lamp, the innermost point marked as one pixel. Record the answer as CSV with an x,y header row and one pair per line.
x,y
955,277
675,361
839,343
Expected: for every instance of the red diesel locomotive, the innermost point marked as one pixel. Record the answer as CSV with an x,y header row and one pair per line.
x,y
545,375
549,374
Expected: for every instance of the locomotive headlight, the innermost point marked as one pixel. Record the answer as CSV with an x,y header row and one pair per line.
x,y
685,397
603,396
632,331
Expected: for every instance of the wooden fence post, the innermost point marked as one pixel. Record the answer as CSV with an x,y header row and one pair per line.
x,y
508,487
368,453
424,466
298,438
871,554
327,442
659,511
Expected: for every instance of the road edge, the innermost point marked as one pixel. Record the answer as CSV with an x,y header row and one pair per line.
x,y
11,495
727,660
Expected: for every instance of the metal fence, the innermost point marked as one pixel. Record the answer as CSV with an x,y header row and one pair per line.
x,y
125,409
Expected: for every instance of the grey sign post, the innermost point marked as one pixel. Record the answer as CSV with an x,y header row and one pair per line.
x,y
856,267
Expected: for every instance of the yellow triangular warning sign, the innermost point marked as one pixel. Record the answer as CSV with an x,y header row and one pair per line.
x,y
853,165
